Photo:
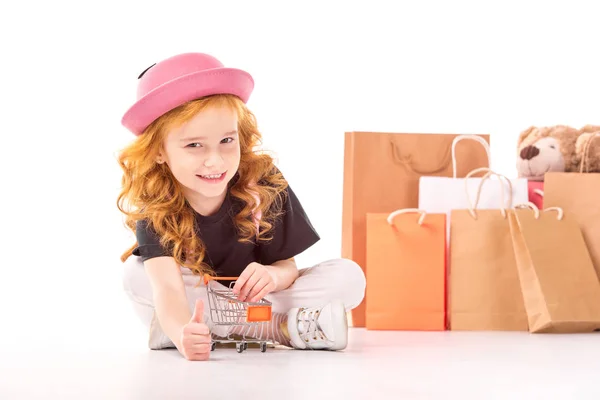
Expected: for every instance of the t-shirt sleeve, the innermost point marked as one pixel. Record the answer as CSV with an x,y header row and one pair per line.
x,y
148,242
292,232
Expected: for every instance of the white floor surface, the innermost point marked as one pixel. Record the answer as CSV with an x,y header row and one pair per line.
x,y
376,365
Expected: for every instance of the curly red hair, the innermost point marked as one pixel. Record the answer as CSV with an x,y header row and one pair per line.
x,y
150,191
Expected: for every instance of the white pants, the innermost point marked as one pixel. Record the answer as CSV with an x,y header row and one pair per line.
x,y
316,286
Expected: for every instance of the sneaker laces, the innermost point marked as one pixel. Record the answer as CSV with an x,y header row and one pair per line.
x,y
308,325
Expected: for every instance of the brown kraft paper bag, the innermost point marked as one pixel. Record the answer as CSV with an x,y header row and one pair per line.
x,y
484,289
560,288
381,174
578,195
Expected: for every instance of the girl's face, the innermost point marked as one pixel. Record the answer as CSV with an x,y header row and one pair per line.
x,y
204,154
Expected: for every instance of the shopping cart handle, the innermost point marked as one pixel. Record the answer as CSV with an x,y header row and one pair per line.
x,y
208,278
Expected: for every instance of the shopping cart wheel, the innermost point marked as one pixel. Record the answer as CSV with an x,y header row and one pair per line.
x,y
213,346
239,347
263,347
245,346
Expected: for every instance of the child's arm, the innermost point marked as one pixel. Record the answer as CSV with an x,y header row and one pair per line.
x,y
170,300
257,280
285,273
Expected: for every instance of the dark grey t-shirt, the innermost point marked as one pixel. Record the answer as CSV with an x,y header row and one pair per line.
x,y
292,234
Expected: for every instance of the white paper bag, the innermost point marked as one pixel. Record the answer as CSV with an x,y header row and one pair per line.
x,y
443,194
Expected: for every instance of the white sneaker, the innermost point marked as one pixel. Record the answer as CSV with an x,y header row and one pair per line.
x,y
319,328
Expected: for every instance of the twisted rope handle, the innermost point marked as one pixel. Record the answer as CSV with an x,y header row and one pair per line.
x,y
490,172
558,210
531,206
408,162
390,218
536,210
472,208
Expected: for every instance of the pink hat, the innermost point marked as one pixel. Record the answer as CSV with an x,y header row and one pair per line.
x,y
178,79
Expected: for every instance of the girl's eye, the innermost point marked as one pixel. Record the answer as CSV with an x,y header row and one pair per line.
x,y
224,141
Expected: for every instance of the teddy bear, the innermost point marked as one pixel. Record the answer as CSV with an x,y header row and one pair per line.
x,y
557,148
547,149
590,136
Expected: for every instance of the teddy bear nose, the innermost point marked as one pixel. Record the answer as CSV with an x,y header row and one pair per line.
x,y
527,153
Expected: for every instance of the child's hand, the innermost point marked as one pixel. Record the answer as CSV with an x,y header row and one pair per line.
x,y
254,283
195,336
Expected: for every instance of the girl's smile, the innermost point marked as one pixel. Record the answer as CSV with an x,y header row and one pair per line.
x,y
213,178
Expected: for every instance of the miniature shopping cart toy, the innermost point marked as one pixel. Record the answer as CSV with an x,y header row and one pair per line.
x,y
227,310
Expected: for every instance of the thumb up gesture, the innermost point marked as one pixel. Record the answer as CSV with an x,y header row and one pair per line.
x,y
195,336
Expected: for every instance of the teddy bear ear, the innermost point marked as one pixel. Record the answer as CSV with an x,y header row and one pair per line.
x,y
591,140
580,147
524,134
581,141
590,129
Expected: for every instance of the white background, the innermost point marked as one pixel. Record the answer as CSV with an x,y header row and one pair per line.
x,y
69,70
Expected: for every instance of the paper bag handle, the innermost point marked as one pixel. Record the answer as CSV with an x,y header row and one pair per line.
x,y
489,172
531,206
510,190
390,218
536,210
586,150
481,169
477,138
472,207
408,162
558,210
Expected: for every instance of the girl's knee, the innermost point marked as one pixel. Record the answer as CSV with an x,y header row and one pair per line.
x,y
349,277
353,273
